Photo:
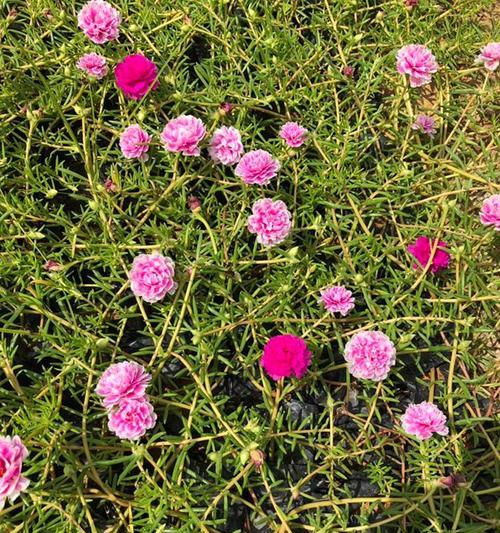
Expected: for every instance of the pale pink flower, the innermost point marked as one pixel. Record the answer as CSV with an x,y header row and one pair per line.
x,y
12,454
52,266
490,212
490,56
134,143
285,356
426,124
293,134
337,299
126,380
257,167
94,65
370,355
152,277
110,186
99,21
131,418
182,134
270,220
136,76
418,62
421,251
424,419
225,146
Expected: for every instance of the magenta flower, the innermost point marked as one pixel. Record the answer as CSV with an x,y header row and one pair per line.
x,y
134,143
425,124
94,65
135,76
270,220
182,134
99,21
370,355
490,212
257,168
418,62
152,277
122,381
285,356
225,146
421,251
131,418
424,419
489,56
337,299
12,483
293,134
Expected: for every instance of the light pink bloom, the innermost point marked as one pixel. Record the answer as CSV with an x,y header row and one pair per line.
x,y
257,167
136,75
425,124
99,21
94,65
490,212
421,251
285,356
490,56
225,146
152,277
337,299
271,221
293,134
12,483
134,143
418,62
127,380
370,355
182,134
424,419
131,418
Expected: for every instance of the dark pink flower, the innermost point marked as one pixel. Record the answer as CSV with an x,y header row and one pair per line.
x,y
131,418
257,167
490,56
127,380
136,75
110,185
411,3
421,251
424,419
152,277
94,65
348,71
337,299
293,134
418,62
12,483
183,134
490,212
425,124
270,220
285,356
99,21
225,146
226,108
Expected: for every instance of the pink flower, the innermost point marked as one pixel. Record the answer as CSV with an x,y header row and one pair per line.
x,y
226,108
131,418
337,299
52,266
99,21
225,146
425,124
424,419
348,71
135,76
421,251
285,356
122,381
110,185
490,212
12,454
94,65
257,167
490,56
370,355
182,134
418,62
271,221
134,143
293,134
411,3
152,277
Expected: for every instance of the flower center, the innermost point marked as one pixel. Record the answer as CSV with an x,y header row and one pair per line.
x,y
3,469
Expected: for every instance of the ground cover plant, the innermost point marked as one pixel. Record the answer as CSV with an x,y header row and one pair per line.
x,y
249,266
